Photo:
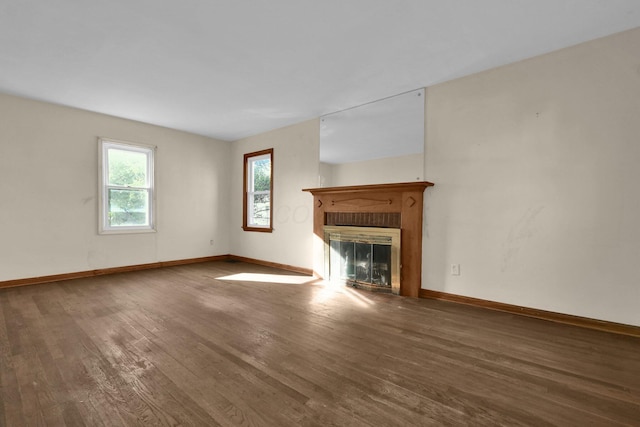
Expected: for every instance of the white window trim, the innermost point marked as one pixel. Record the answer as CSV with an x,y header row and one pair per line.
x,y
103,228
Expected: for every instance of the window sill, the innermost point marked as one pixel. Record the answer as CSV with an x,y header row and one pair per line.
x,y
128,231
258,229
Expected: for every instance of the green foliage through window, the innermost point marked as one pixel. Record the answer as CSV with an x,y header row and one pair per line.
x,y
128,169
262,175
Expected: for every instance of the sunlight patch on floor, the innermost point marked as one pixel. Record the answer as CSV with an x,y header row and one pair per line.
x,y
269,278
331,289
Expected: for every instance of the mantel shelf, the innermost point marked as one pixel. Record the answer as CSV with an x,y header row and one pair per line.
x,y
394,187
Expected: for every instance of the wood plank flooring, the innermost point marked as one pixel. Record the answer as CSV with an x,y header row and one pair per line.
x,y
194,346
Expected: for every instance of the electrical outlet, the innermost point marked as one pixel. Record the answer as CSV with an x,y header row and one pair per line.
x,y
455,269
211,242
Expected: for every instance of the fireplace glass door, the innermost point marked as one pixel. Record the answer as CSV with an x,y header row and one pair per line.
x,y
361,258
361,262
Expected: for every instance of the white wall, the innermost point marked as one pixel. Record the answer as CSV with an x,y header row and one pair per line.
x,y
379,171
295,166
536,167
48,192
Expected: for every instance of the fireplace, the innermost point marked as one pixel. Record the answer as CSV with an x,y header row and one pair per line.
x,y
395,206
363,257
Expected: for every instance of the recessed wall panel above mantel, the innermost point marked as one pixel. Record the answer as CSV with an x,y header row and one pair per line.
x,y
372,140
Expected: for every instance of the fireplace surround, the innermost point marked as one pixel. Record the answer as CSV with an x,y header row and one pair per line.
x,y
398,205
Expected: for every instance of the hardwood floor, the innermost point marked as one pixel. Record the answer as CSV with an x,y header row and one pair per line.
x,y
193,345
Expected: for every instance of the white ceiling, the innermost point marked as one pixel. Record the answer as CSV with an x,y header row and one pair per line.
x,y
234,68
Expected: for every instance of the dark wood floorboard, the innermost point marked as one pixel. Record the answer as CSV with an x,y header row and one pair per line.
x,y
192,346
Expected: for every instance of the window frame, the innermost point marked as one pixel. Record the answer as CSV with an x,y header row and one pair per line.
x,y
246,224
104,144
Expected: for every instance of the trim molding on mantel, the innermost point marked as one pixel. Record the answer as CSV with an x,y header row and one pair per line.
x,y
584,322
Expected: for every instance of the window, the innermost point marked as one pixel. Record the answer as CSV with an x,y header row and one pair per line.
x,y
126,187
258,189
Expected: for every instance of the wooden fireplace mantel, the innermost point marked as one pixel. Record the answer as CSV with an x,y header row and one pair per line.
x,y
404,198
